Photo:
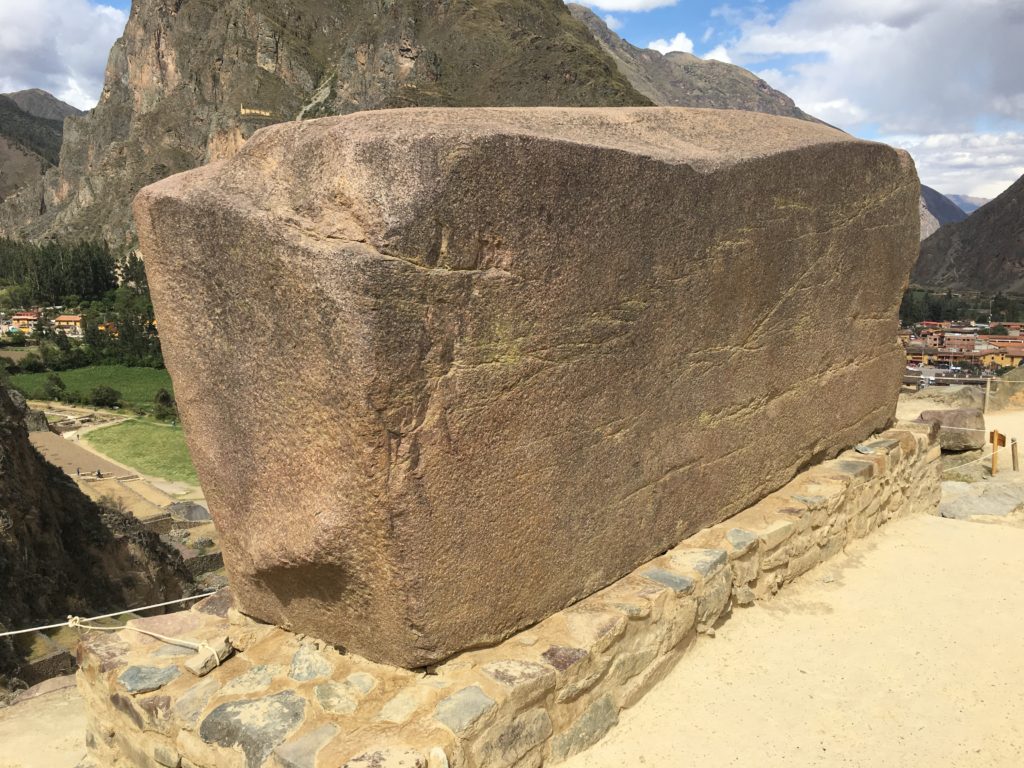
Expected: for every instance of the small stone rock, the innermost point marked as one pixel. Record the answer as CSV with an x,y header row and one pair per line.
x,y
960,429
361,681
681,585
192,703
594,723
388,757
514,673
209,656
309,664
507,744
338,698
402,706
256,726
256,679
302,751
706,562
561,658
863,470
166,756
462,709
146,679
740,540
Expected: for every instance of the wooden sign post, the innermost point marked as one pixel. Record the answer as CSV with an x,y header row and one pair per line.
x,y
1013,454
998,441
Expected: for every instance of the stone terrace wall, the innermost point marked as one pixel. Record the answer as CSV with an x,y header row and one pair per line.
x,y
290,701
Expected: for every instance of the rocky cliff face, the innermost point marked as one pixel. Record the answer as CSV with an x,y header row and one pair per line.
x,y
31,126
937,210
984,252
59,552
684,80
191,80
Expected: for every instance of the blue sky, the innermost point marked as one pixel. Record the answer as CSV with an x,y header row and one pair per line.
x,y
941,78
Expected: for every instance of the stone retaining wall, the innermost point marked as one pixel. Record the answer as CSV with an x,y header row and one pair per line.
x,y
290,701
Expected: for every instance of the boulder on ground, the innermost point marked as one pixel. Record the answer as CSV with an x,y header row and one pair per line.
x,y
960,429
462,368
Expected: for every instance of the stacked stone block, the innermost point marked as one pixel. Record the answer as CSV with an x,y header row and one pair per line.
x,y
541,696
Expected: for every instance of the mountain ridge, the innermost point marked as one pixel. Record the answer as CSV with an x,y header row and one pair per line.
x,y
187,83
984,252
937,210
31,134
680,79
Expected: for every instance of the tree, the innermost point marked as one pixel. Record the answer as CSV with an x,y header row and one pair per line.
x,y
164,407
54,389
105,397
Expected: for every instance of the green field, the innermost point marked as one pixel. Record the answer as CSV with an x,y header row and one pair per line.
x,y
151,448
138,386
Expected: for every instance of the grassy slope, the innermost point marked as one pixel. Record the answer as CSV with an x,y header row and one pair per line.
x,y
152,449
138,386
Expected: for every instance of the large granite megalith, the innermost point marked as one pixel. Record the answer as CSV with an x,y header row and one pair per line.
x,y
444,372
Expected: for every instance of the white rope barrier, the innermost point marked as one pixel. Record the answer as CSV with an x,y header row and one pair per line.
x,y
986,457
77,622
84,623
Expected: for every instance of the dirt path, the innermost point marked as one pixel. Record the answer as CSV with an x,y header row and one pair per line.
x,y
906,651
69,455
45,732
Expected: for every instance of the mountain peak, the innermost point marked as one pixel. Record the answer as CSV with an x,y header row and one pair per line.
x,y
679,79
984,252
42,104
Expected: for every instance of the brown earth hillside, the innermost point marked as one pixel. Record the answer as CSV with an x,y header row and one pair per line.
x,y
984,252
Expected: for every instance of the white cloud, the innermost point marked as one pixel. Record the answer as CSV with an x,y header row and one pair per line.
x,y
613,23
629,5
58,45
915,66
981,164
678,43
708,33
718,53
941,76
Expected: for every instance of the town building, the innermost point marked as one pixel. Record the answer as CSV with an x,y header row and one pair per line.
x,y
69,325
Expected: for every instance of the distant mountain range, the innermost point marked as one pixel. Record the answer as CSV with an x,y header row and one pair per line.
x,y
680,79
937,210
967,203
984,252
31,133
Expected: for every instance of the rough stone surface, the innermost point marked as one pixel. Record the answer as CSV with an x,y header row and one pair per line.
x,y
388,757
309,664
591,726
960,429
256,726
190,704
681,584
145,679
499,375
460,710
301,752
